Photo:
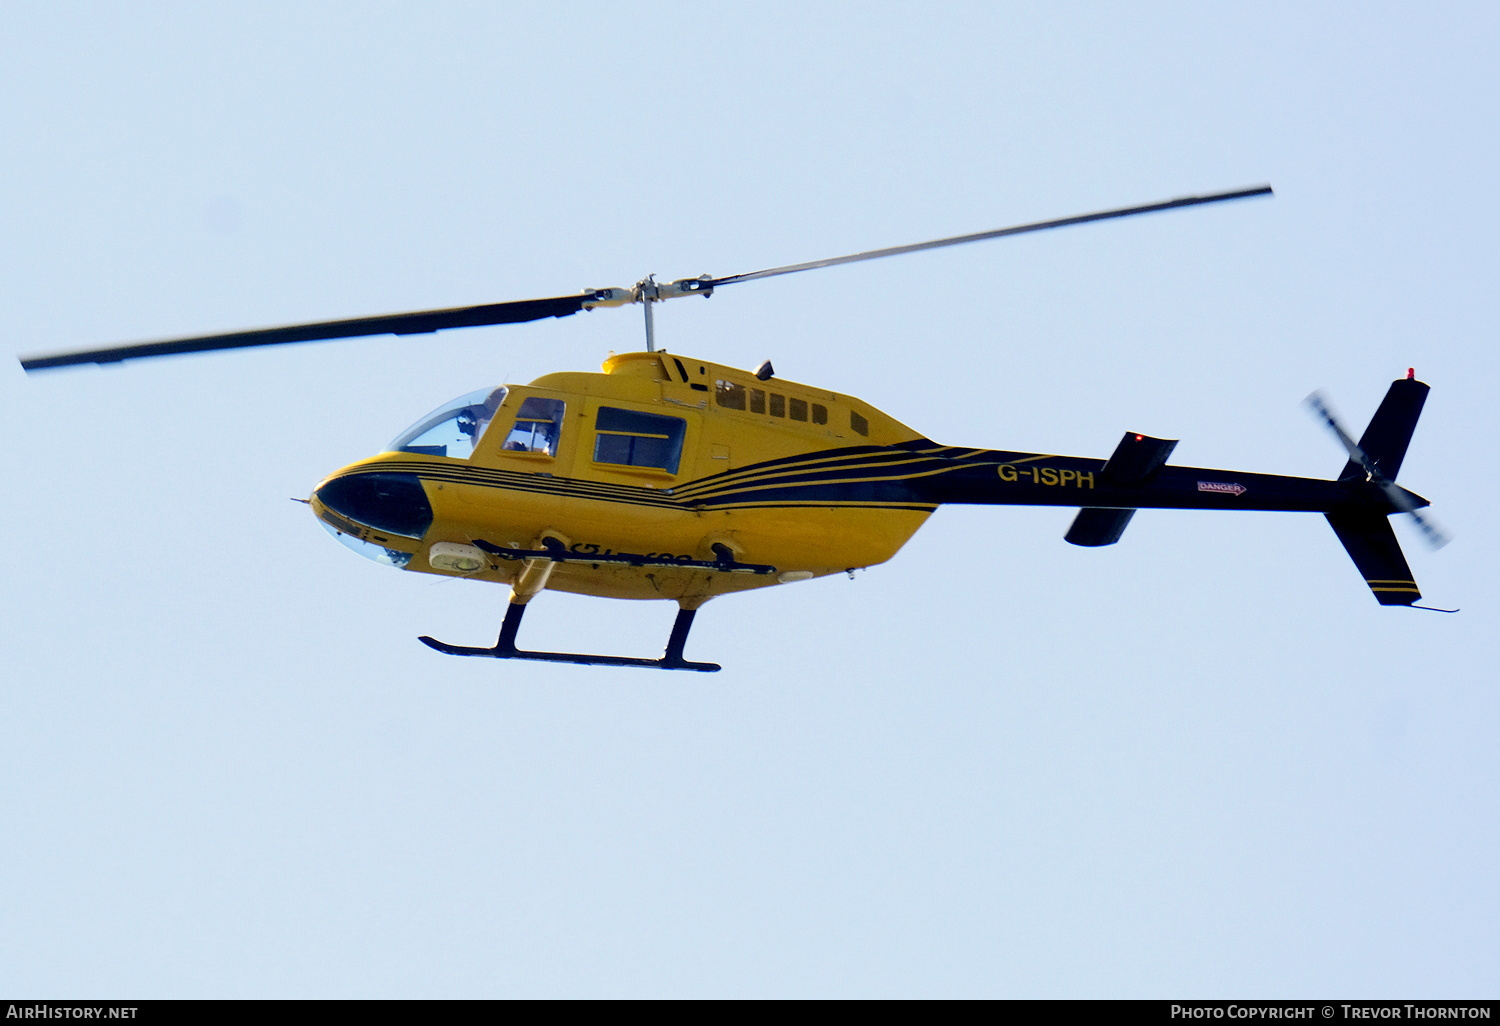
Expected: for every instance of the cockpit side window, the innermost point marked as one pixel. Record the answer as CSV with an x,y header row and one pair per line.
x,y
454,429
537,426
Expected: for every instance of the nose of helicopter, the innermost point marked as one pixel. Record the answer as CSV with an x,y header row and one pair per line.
x,y
390,502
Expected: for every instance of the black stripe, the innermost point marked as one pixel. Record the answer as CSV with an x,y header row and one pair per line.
x,y
879,477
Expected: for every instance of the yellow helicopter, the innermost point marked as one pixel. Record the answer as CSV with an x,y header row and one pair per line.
x,y
670,477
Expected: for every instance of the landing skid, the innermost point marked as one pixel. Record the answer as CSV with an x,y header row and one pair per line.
x,y
505,647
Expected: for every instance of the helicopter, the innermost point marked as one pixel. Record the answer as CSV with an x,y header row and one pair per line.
x,y
669,477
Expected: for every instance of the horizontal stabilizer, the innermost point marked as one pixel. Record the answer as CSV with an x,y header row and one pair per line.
x,y
1372,545
1135,461
1095,526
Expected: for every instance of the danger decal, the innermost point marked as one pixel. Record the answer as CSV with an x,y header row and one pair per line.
x,y
1222,487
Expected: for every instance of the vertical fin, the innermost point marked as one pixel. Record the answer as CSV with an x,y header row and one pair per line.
x,y
1370,542
1390,430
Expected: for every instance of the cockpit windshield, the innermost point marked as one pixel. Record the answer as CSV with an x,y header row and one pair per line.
x,y
454,429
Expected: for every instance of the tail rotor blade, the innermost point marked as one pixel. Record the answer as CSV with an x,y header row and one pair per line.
x,y
1321,409
1434,535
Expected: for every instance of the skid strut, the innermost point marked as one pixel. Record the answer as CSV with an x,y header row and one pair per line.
x,y
505,647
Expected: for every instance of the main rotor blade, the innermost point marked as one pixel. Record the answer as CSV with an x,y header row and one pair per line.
x,y
418,323
423,322
1020,229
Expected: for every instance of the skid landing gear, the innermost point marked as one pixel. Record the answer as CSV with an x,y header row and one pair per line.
x,y
505,647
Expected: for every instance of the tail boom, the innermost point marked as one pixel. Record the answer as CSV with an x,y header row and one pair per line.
x,y
1110,491
1030,479
1357,504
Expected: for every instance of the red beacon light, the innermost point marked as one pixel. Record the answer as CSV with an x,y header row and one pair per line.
x,y
1411,374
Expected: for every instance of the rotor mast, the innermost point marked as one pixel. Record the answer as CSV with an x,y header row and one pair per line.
x,y
647,290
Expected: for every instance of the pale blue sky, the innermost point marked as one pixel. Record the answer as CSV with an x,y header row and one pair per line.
x,y
1201,762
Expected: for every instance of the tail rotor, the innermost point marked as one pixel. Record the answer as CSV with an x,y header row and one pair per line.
x,y
1399,497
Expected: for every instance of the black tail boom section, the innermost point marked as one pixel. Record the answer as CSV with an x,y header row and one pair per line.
x,y
1356,508
1032,479
1137,476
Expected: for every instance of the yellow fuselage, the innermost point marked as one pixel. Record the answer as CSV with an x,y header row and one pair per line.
x,y
745,448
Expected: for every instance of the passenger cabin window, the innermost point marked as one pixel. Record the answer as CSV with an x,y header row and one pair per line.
x,y
731,396
634,439
537,426
858,423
